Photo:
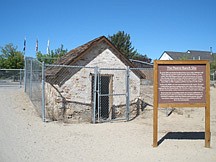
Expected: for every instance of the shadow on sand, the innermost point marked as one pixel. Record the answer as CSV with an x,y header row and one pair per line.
x,y
183,136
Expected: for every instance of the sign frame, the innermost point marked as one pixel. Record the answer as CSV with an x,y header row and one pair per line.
x,y
205,104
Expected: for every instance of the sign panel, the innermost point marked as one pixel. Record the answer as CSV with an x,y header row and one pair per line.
x,y
181,83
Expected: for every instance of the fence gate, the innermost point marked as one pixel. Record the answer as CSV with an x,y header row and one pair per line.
x,y
112,94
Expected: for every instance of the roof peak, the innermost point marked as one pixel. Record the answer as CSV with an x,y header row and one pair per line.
x,y
198,51
173,52
187,51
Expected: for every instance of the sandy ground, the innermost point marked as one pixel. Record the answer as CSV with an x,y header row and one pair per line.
x,y
24,137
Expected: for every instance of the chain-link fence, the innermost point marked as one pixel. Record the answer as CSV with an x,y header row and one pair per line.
x,y
92,94
149,73
69,93
137,90
213,75
11,77
33,83
84,94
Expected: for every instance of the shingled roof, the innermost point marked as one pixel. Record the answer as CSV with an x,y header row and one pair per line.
x,y
190,55
76,54
175,55
202,55
70,57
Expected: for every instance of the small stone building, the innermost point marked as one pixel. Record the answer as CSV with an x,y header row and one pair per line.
x,y
69,90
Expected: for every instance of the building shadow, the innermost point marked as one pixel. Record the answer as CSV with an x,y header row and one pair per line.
x,y
183,136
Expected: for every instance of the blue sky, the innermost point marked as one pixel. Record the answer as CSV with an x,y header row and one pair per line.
x,y
154,25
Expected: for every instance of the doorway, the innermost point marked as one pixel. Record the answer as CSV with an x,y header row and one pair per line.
x,y
103,107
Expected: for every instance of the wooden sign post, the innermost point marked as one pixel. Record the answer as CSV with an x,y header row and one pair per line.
x,y
181,83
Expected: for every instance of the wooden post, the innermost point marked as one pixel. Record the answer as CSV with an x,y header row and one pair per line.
x,y
207,108
207,127
155,111
155,127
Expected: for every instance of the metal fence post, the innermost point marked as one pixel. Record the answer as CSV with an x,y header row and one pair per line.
x,y
127,94
43,92
20,78
98,93
25,75
30,88
95,94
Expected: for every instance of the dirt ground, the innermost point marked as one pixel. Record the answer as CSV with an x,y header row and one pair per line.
x,y
24,137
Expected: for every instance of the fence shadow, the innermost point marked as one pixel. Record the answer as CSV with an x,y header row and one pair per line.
x,y
183,136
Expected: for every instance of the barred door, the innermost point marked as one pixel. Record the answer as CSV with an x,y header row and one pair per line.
x,y
110,94
104,96
103,89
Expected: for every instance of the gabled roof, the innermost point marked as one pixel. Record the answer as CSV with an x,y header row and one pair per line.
x,y
70,57
175,55
76,54
202,55
190,55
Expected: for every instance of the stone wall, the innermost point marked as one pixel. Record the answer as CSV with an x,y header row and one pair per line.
x,y
73,100
60,107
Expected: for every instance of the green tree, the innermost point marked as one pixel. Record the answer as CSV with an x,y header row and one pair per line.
x,y
10,58
123,43
213,63
52,56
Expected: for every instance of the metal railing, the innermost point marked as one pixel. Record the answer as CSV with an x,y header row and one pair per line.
x,y
11,77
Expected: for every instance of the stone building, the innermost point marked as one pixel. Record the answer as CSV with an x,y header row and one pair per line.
x,y
70,90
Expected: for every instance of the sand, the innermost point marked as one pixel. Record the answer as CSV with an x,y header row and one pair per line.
x,y
24,137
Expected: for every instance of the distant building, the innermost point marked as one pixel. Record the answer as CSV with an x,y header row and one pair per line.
x,y
141,64
189,55
147,70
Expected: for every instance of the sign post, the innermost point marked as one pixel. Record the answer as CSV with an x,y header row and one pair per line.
x,y
181,84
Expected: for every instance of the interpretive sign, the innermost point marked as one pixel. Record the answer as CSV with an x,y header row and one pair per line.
x,y
182,84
